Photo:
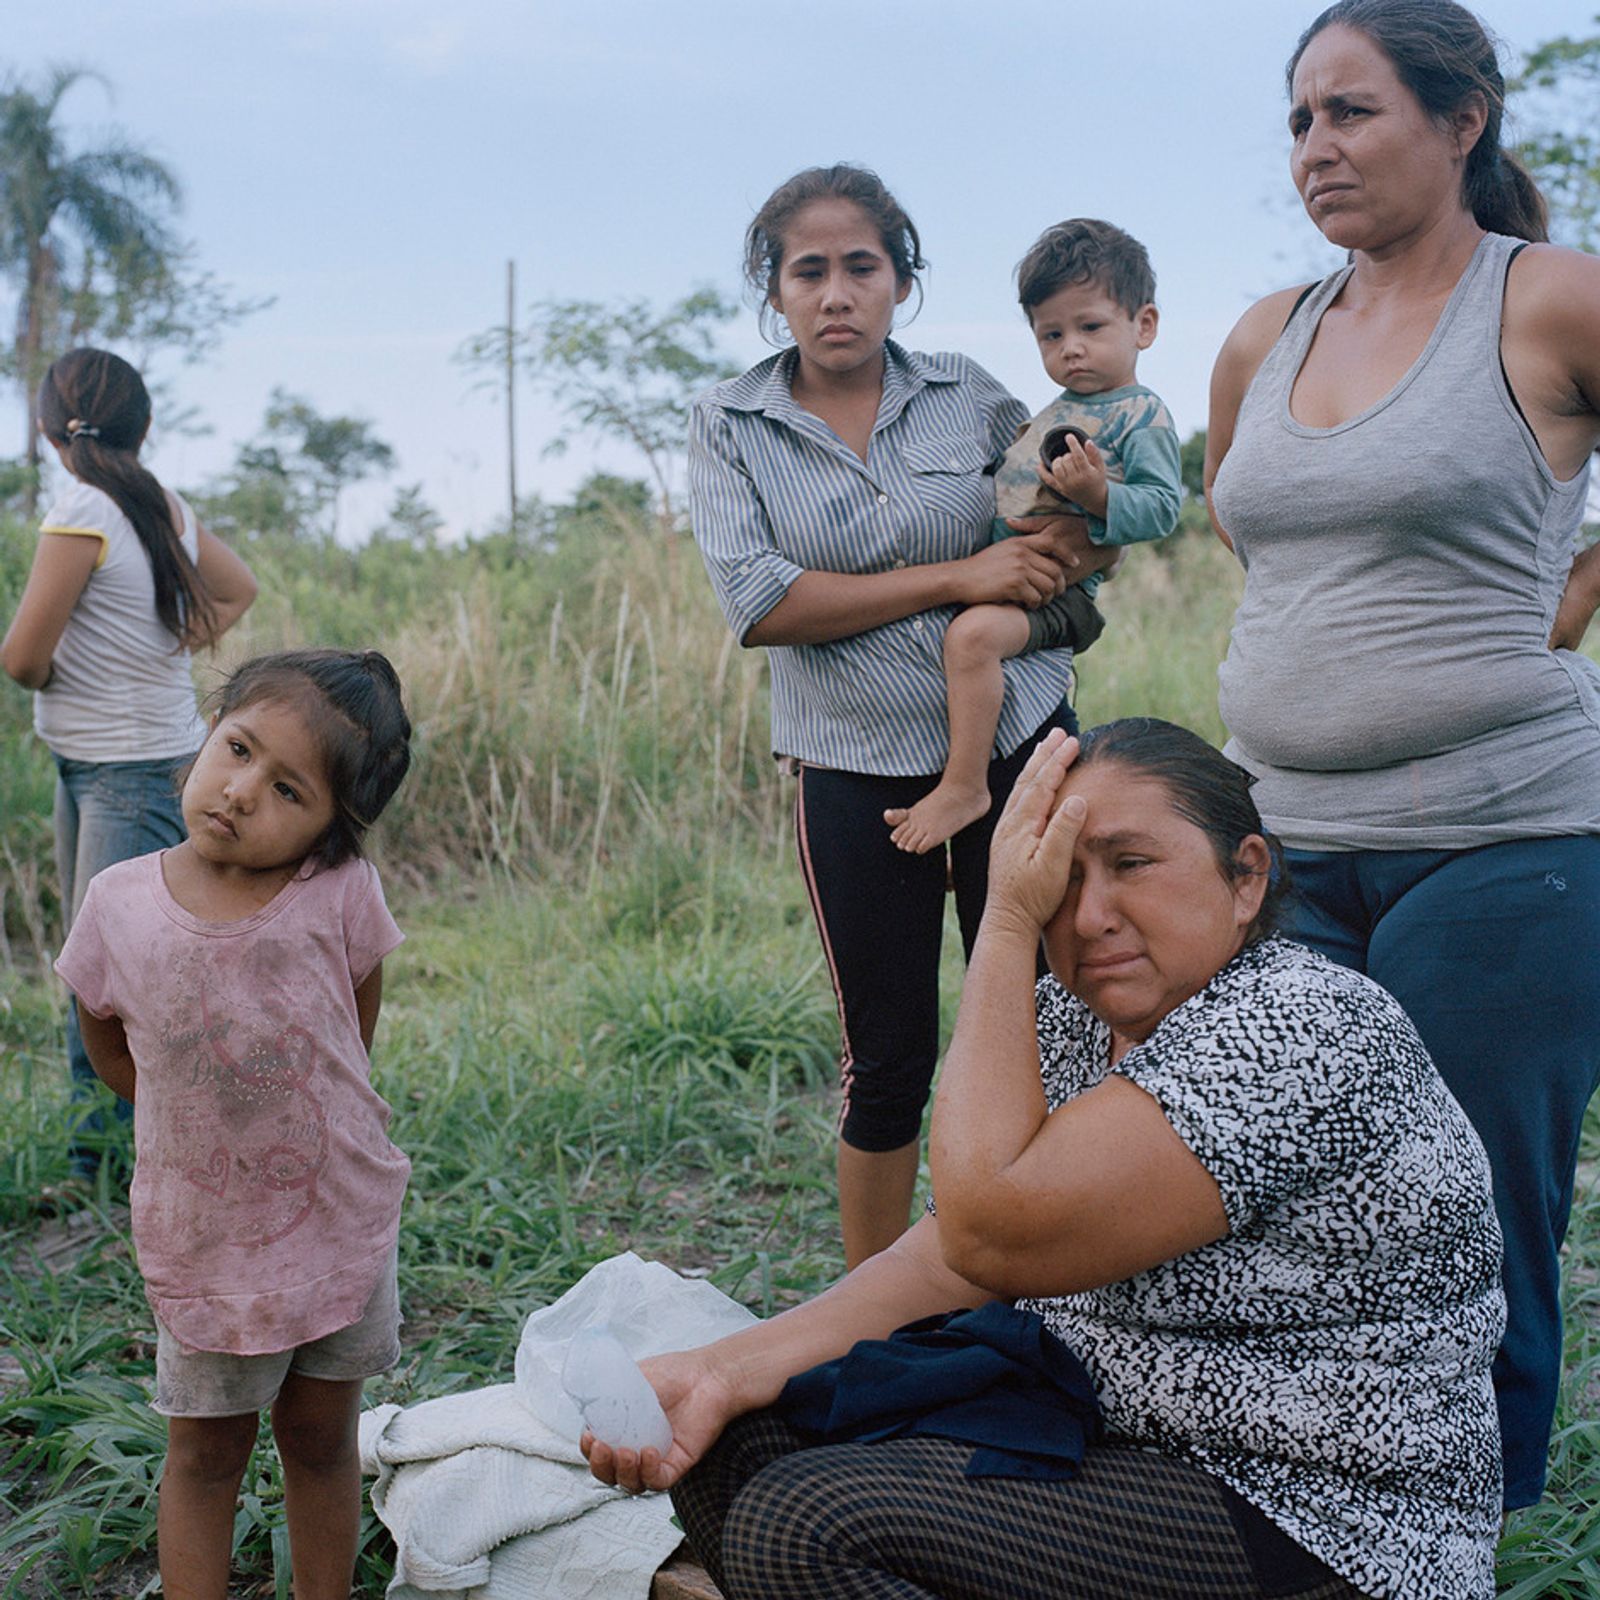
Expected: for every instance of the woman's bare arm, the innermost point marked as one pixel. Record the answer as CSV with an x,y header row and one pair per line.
x,y
1035,1202
1026,571
898,1285
703,1390
229,583
1550,344
61,567
1239,360
736,537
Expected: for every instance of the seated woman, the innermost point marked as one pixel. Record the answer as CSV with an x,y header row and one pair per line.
x,y
1224,1172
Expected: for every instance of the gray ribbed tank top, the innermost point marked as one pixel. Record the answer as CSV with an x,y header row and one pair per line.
x,y
1388,678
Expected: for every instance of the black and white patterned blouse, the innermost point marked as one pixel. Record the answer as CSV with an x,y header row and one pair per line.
x,y
1330,1357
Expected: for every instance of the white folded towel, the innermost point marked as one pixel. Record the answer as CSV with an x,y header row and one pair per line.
x,y
486,1492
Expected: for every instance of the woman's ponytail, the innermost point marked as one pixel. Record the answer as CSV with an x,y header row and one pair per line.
x,y
1504,198
95,407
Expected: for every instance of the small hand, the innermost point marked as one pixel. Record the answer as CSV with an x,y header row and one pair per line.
x,y
1078,474
1030,857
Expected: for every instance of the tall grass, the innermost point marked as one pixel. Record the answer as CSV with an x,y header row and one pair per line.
x,y
608,1027
576,707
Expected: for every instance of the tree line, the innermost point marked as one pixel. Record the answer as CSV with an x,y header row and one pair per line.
x,y
91,248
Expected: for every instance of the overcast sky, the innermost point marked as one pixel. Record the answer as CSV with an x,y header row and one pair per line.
x,y
371,165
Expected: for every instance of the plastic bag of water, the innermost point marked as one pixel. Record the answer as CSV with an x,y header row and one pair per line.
x,y
619,1407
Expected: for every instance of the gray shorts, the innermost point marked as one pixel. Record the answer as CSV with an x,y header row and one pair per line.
x,y
1071,618
212,1383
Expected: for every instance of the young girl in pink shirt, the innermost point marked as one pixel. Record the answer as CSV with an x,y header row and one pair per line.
x,y
229,987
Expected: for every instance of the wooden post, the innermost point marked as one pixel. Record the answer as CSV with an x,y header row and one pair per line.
x,y
511,389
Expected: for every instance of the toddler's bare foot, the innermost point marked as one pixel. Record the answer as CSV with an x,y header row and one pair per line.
x,y
937,816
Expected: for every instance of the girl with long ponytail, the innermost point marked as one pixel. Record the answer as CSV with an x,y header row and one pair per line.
x,y
125,584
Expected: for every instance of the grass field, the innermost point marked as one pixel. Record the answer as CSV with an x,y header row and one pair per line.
x,y
608,1027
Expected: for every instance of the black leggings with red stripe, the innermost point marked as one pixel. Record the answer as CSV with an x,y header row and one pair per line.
x,y
880,913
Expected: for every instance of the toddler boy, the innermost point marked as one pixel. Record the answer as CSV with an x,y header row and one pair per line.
x,y
1104,448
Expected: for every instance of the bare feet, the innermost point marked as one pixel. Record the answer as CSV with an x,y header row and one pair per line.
x,y
937,816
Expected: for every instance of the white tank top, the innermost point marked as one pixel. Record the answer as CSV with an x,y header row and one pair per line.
x,y
120,689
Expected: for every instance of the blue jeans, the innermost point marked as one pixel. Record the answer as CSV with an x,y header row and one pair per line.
x,y
105,812
1493,954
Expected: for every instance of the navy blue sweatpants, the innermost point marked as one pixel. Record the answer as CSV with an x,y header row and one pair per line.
x,y
1495,954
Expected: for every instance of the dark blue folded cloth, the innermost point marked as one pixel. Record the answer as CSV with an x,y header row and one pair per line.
x,y
996,1378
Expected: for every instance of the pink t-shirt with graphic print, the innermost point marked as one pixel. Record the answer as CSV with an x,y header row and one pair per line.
x,y
266,1194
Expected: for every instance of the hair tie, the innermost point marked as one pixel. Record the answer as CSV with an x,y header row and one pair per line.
x,y
1275,863
76,426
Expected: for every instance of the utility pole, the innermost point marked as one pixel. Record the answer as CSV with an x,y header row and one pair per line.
x,y
511,389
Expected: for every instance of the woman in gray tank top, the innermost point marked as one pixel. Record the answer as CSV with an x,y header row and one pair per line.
x,y
1399,457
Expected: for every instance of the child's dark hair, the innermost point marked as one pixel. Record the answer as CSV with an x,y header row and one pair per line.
x,y
95,407
1205,787
1082,250
352,704
764,239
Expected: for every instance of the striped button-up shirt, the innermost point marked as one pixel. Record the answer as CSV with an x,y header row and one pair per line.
x,y
774,492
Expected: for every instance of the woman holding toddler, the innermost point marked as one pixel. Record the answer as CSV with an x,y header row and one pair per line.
x,y
842,499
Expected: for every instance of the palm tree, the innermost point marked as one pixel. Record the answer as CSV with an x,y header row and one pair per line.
x,y
61,214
